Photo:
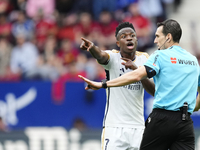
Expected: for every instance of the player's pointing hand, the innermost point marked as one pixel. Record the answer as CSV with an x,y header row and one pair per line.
x,y
129,64
86,44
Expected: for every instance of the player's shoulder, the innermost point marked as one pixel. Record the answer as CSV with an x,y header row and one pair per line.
x,y
114,51
142,54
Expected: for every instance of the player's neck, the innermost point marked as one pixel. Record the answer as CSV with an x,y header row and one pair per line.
x,y
130,56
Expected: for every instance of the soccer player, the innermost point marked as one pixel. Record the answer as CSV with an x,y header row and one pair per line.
x,y
175,72
123,123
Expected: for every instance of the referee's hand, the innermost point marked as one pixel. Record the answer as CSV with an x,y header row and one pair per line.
x,y
91,84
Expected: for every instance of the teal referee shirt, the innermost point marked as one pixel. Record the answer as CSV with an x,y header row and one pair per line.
x,y
176,79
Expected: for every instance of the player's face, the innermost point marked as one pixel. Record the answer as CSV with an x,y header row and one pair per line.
x,y
127,40
160,38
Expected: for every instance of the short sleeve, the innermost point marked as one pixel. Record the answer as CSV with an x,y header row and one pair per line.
x,y
153,62
112,55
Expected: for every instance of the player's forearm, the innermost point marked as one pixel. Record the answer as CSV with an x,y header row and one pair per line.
x,y
98,54
149,86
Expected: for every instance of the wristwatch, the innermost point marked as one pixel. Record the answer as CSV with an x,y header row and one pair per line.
x,y
104,84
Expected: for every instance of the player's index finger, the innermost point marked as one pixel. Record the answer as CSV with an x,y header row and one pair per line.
x,y
85,40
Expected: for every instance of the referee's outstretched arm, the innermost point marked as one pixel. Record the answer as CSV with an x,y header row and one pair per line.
x,y
197,107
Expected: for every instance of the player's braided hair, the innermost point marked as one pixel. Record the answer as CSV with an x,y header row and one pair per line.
x,y
123,25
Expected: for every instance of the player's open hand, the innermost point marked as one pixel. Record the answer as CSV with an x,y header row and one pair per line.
x,y
129,64
91,84
86,44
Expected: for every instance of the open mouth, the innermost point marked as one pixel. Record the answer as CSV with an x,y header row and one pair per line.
x,y
130,45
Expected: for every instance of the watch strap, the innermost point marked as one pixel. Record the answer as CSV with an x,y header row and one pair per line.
x,y
104,84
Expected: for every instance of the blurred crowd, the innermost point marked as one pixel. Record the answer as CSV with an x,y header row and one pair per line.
x,y
40,39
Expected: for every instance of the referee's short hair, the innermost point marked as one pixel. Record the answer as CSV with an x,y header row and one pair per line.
x,y
123,25
173,27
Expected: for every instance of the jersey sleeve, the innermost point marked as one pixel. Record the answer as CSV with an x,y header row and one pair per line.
x,y
111,54
153,62
145,57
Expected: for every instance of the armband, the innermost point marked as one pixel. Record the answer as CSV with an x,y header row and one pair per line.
x,y
150,72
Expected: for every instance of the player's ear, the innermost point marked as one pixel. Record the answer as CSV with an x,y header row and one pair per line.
x,y
118,43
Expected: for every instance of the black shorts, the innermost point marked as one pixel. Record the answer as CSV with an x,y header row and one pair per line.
x,y
166,130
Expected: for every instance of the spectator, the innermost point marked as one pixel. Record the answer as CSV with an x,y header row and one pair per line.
x,y
67,31
19,4
100,5
24,57
5,6
23,26
142,26
46,69
64,6
5,52
51,59
43,29
153,9
83,6
123,4
49,67
91,68
106,36
67,53
5,26
79,124
33,6
86,27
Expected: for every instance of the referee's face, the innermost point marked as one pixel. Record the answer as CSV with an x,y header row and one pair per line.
x,y
127,40
160,38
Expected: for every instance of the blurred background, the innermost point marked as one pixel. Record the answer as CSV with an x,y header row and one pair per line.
x,y
43,104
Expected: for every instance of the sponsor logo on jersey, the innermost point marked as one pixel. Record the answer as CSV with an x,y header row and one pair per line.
x,y
173,60
187,62
133,86
182,61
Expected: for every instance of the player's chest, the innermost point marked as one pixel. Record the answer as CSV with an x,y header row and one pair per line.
x,y
121,69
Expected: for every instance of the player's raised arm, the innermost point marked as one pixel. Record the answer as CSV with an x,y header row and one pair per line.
x,y
101,56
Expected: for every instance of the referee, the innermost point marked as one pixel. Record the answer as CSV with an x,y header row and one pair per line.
x,y
175,72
